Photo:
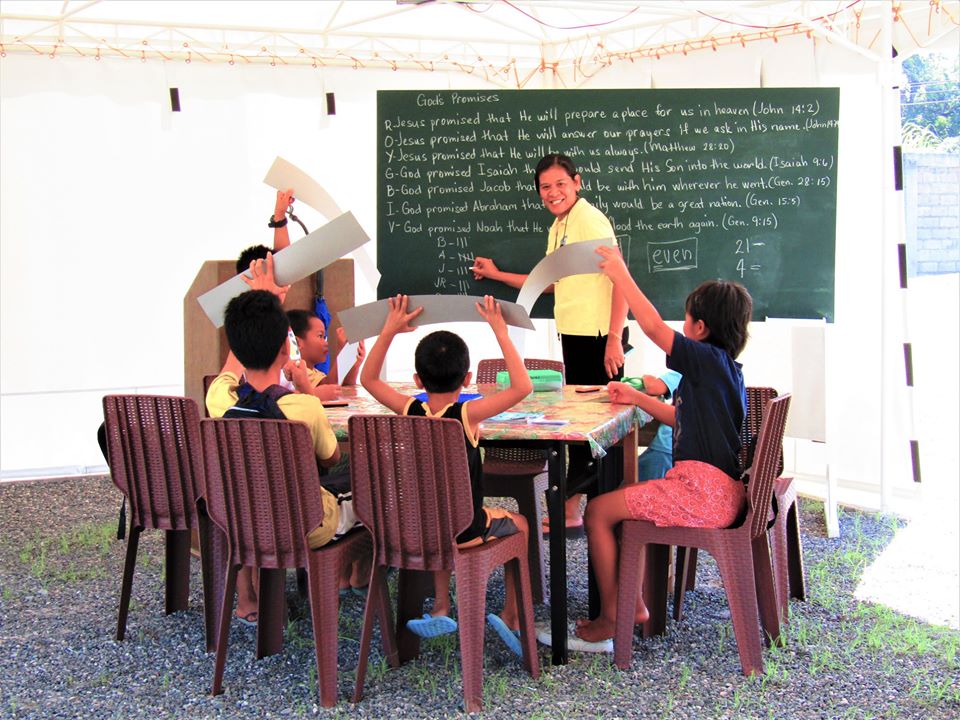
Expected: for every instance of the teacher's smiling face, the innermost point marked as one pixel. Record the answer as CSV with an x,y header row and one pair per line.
x,y
558,190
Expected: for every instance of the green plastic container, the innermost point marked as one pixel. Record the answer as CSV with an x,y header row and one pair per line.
x,y
542,379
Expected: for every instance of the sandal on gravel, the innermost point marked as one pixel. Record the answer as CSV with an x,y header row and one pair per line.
x,y
510,637
429,626
250,619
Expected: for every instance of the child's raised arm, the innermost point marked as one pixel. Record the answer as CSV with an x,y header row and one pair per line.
x,y
398,321
520,385
643,310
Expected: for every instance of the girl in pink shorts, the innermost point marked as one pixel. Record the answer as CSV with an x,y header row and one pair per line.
x,y
703,489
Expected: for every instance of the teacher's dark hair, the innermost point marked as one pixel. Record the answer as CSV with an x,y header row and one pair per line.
x,y
725,308
548,161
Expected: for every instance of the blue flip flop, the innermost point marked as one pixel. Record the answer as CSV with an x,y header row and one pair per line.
x,y
429,626
510,637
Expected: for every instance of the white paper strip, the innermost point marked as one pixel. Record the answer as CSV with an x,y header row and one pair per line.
x,y
367,320
575,259
304,257
283,175
345,360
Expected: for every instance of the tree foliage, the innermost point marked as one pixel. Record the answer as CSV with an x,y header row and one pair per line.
x,y
930,100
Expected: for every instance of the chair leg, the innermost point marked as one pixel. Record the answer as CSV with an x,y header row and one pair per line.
x,y
692,570
223,631
213,561
177,563
126,585
528,639
781,566
767,600
471,618
655,582
628,575
322,581
795,554
680,580
411,591
271,611
528,505
740,584
378,599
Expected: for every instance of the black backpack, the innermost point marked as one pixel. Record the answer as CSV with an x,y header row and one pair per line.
x,y
252,403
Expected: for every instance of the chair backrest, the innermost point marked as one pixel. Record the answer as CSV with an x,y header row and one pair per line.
x,y
156,457
487,373
411,487
766,461
487,369
207,382
757,398
263,488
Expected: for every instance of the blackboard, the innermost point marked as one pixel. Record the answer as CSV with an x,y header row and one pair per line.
x,y
720,183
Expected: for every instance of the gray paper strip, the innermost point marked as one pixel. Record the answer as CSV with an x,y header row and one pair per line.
x,y
578,258
283,175
302,258
367,320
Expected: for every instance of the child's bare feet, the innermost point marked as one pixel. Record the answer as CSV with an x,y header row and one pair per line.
x,y
596,630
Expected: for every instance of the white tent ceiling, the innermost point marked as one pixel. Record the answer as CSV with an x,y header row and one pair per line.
x,y
507,42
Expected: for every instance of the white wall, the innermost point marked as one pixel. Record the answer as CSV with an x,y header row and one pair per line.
x,y
110,203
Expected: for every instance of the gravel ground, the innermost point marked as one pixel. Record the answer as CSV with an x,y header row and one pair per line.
x,y
60,569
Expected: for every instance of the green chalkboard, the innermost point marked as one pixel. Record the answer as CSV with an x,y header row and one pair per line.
x,y
719,183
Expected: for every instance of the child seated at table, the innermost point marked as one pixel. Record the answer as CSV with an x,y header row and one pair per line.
x,y
657,459
256,328
703,489
312,340
442,363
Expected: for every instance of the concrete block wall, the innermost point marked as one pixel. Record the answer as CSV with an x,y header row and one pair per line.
x,y
931,183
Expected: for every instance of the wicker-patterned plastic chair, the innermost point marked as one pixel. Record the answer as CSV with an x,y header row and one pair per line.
x,y
786,547
263,492
520,473
411,488
156,461
742,554
686,568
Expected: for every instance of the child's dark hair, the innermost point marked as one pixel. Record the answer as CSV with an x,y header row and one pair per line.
x,y
442,361
548,161
725,308
256,328
254,252
300,321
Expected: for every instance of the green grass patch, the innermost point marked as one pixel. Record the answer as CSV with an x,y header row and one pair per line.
x,y
69,556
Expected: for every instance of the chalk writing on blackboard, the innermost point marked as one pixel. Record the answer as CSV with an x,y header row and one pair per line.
x,y
735,183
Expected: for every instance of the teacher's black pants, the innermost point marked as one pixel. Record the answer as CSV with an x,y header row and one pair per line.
x,y
583,365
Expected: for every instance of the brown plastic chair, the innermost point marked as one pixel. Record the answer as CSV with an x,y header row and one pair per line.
x,y
786,547
742,554
263,491
156,461
411,488
685,574
520,473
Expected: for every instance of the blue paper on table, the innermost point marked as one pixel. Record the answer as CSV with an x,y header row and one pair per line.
x,y
514,417
422,397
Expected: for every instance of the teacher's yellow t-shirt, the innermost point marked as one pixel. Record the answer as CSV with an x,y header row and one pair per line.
x,y
581,302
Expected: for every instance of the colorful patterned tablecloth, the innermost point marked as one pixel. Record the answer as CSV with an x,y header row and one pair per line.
x,y
589,417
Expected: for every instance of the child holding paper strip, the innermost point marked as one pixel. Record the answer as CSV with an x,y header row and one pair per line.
x,y
703,488
442,361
